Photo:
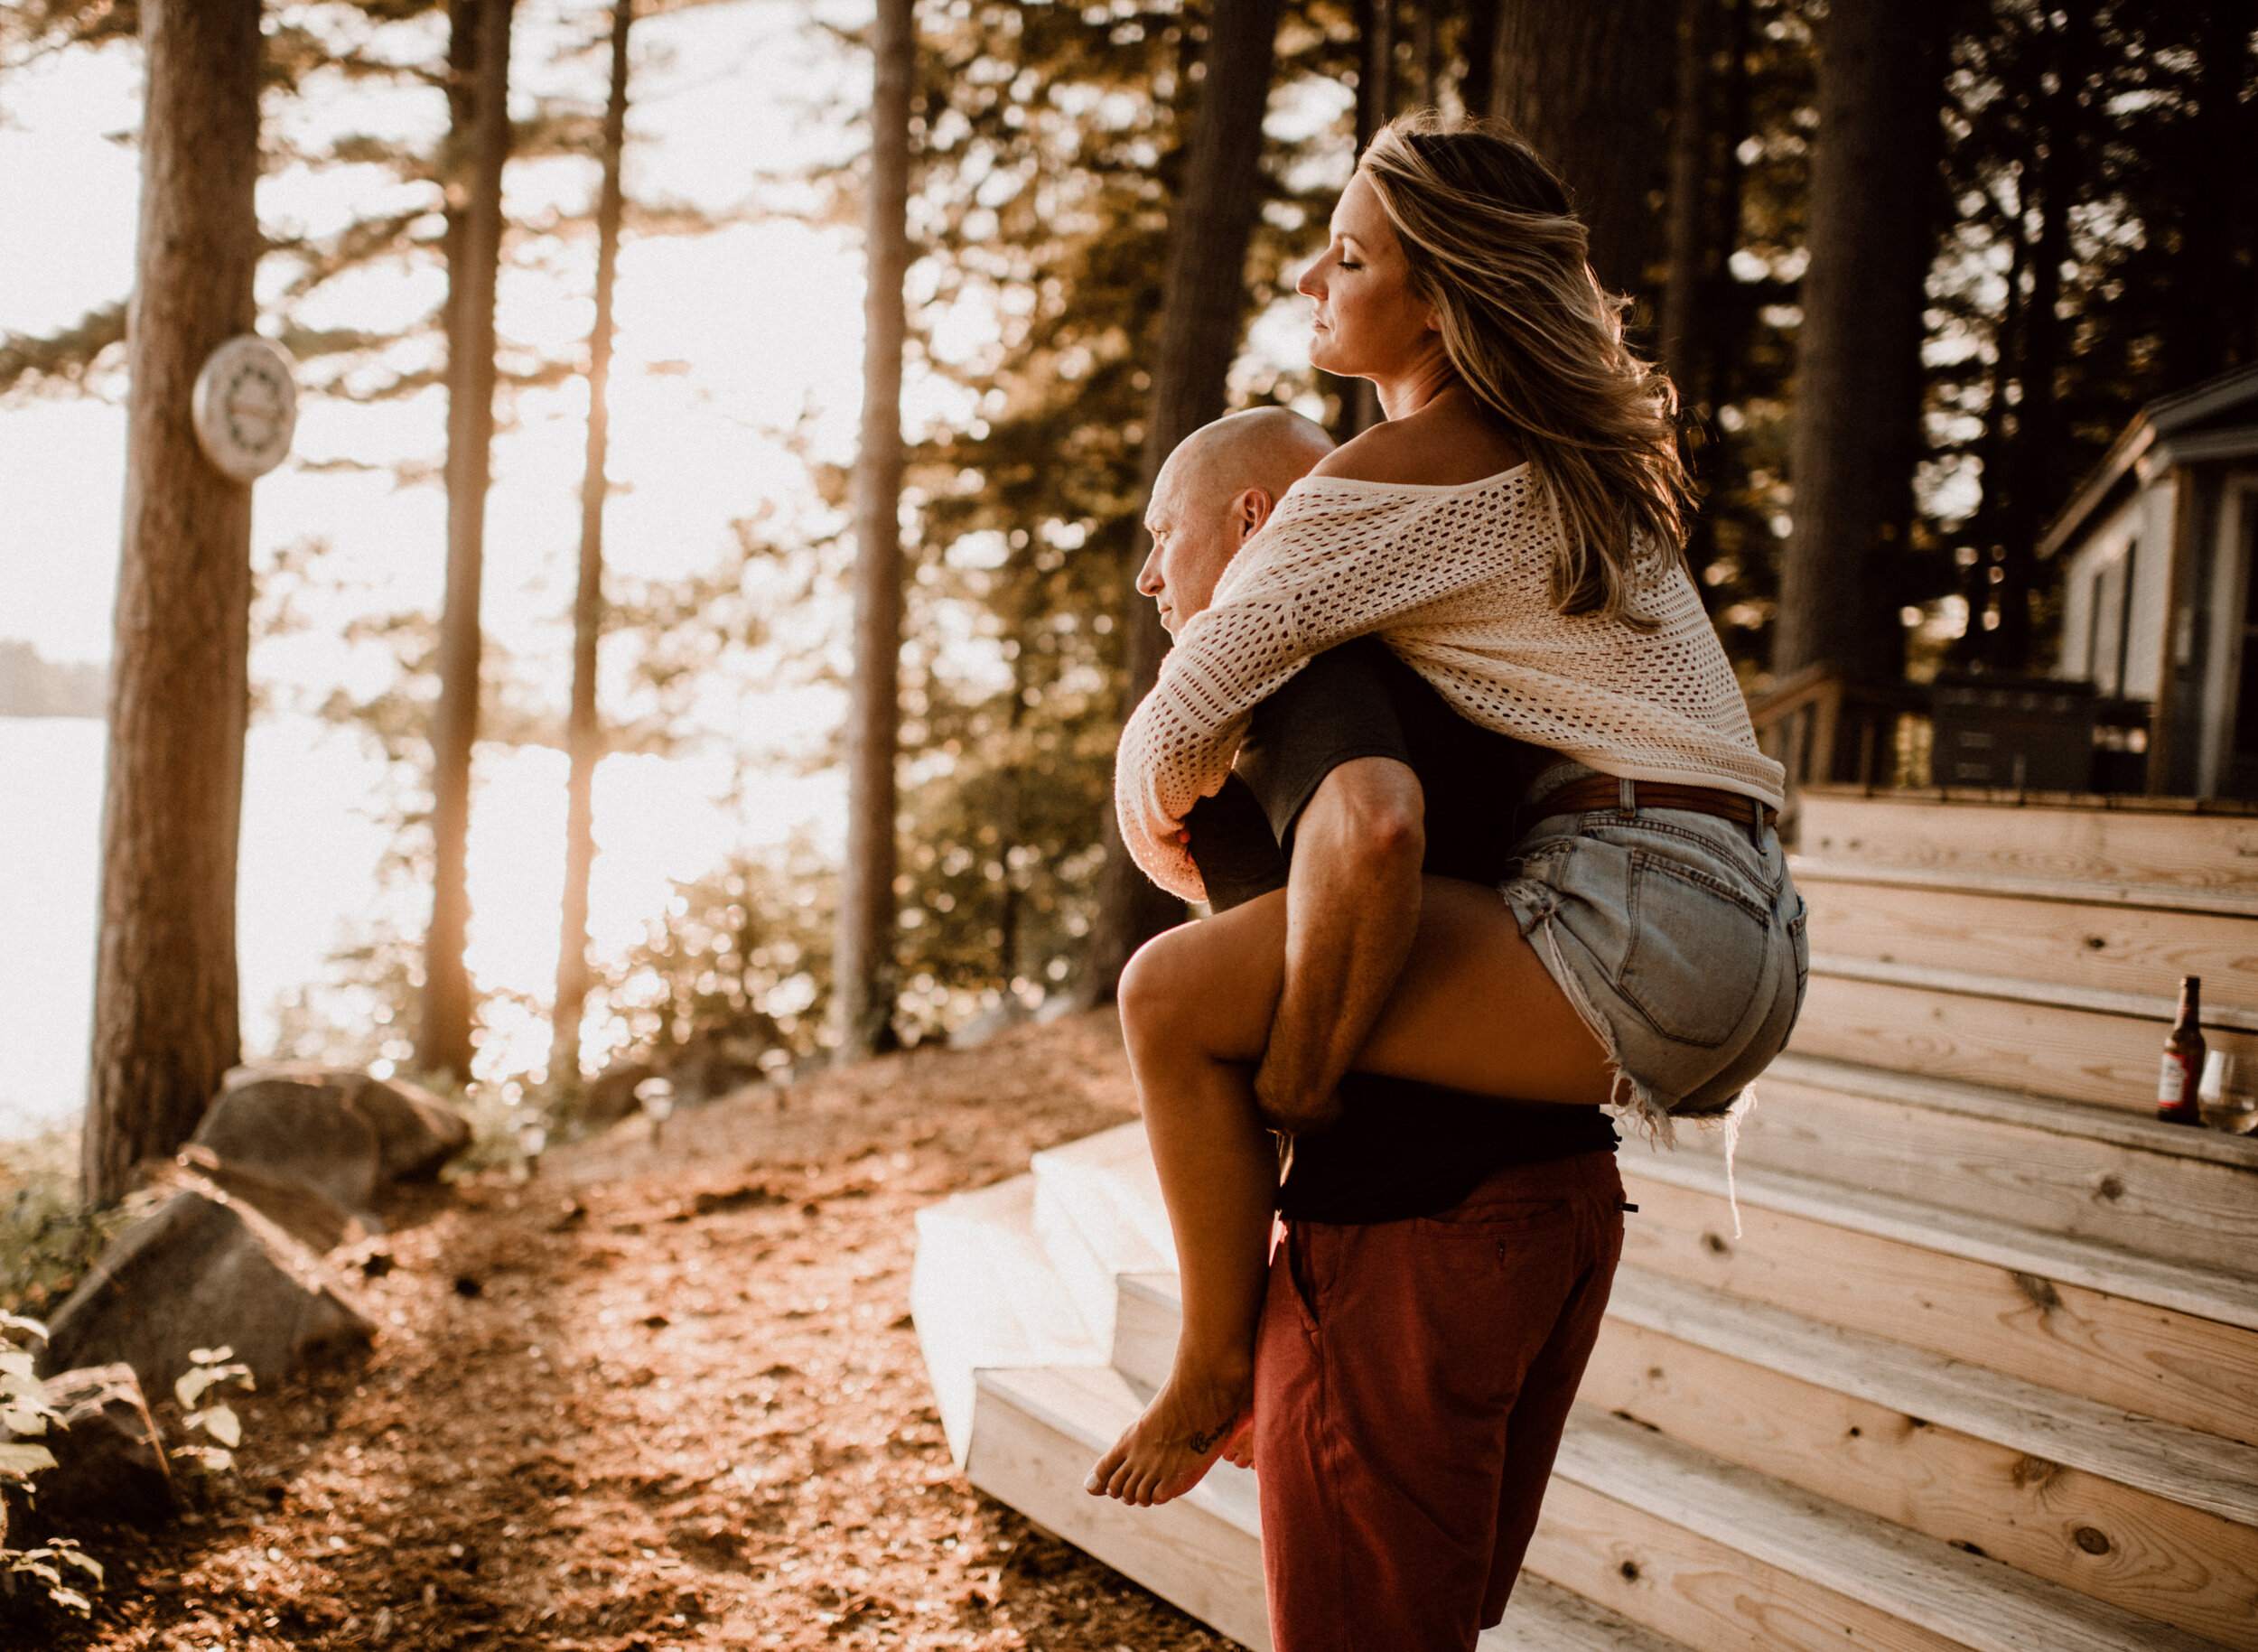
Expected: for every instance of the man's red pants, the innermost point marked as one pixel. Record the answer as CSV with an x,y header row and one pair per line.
x,y
1411,1385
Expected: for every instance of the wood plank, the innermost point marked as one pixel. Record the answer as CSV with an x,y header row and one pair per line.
x,y
2234,902
2138,1552
1696,1590
2158,1362
2108,948
2178,1464
1035,1433
1965,1600
2161,1204
2042,1051
2215,852
982,1293
2161,1011
1145,1321
1543,1617
2140,1131
2185,1287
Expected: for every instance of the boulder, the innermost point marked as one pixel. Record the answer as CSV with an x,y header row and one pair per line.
x,y
416,1132
311,1217
298,1130
203,1270
110,1458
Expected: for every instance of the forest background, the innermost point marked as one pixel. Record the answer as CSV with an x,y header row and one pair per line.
x,y
2066,196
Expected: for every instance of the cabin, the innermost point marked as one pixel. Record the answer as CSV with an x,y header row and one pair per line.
x,y
2159,608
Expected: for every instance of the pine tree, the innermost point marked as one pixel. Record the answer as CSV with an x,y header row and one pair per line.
x,y
479,98
583,736
865,957
165,1024
1857,391
1204,312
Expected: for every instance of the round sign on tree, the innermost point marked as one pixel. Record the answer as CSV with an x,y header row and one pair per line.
x,y
246,406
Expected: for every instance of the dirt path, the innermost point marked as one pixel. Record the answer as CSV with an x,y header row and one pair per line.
x,y
658,1398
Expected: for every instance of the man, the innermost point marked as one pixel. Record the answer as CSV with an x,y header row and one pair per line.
x,y
1413,1375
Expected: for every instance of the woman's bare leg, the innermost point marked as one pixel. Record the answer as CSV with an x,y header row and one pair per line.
x,y
1473,1009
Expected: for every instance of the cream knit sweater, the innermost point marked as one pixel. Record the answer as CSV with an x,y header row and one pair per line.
x,y
1457,581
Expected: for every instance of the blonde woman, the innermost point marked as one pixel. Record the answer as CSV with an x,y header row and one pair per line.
x,y
1512,531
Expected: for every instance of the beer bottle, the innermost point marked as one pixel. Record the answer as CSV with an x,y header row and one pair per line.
x,y
2183,1058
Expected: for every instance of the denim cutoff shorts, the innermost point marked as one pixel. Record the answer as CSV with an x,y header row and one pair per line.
x,y
1679,940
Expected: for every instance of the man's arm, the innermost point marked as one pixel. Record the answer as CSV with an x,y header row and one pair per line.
x,y
1352,911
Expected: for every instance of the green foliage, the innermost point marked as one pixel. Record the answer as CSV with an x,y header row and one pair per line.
x,y
24,1415
49,1236
215,1419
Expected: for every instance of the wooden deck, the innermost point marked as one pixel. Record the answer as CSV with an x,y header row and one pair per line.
x,y
1978,1370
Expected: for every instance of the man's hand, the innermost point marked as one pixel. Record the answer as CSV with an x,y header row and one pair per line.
x,y
1352,911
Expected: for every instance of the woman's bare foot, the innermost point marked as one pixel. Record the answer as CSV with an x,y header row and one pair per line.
x,y
1167,1451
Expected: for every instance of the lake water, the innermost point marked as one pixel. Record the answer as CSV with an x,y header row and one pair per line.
x,y
308,876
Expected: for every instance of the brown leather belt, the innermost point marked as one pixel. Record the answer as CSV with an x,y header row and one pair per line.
x,y
1597,791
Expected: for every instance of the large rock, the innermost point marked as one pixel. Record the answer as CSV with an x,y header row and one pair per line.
x,y
415,1131
291,1130
204,1271
110,1458
313,1218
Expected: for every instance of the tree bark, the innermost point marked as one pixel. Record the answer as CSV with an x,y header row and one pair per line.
x,y
165,1007
1588,86
2036,488
1478,53
583,734
1359,407
865,967
1203,315
1692,275
1857,390
478,57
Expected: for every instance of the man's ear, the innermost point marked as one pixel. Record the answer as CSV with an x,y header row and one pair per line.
x,y
1252,511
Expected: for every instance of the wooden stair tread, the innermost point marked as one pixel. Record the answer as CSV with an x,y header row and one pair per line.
x,y
2114,1125
2158,897
981,1291
1036,1431
2204,1292
2167,1459
2097,1001
1969,1600
1084,1410
2170,1461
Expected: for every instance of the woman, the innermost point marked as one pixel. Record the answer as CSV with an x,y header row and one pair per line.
x,y
1513,532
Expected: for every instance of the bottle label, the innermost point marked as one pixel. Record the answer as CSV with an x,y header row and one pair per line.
x,y
2174,1086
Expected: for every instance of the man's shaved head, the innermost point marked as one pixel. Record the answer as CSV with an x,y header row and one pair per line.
x,y
1269,448
1215,492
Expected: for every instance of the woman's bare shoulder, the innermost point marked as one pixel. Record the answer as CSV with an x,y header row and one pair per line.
x,y
1412,454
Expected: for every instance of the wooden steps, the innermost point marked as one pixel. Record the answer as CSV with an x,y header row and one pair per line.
x,y
1978,1367
1647,1524
996,1277
2079,1169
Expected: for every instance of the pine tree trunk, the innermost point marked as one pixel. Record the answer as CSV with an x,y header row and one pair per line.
x,y
583,734
165,1001
481,30
1478,52
865,967
1588,86
1858,389
2039,478
1693,234
1203,315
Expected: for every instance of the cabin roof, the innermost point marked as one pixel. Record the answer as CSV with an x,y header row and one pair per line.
x,y
2217,419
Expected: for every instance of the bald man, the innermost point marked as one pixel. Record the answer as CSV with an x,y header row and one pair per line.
x,y
1410,1393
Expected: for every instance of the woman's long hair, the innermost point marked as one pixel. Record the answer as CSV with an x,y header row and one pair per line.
x,y
1494,248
